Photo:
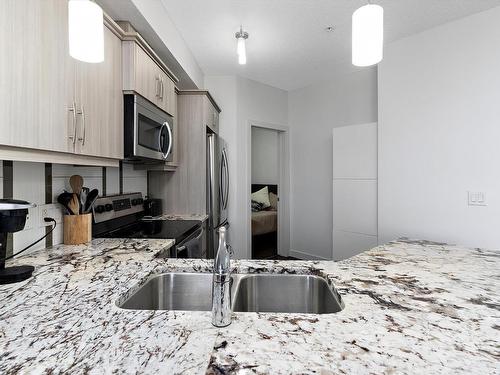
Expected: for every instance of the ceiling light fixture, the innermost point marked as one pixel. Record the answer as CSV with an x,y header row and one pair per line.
x,y
86,31
241,36
367,35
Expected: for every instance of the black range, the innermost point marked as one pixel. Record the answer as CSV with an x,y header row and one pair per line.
x,y
123,217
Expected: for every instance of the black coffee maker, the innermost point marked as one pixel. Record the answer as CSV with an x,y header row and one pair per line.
x,y
13,214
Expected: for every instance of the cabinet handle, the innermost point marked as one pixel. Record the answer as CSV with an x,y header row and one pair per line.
x,y
161,89
157,87
84,135
73,110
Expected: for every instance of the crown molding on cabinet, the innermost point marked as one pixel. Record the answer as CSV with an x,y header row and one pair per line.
x,y
201,92
129,33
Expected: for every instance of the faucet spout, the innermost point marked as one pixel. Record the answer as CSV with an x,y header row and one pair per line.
x,y
221,286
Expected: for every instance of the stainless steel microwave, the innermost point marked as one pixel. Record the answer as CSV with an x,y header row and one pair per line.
x,y
149,131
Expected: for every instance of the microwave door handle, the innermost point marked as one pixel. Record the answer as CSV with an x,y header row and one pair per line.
x,y
170,140
160,138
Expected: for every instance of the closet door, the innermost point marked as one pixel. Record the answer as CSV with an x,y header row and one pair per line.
x,y
36,75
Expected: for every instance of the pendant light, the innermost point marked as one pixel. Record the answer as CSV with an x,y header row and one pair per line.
x,y
367,35
86,31
241,36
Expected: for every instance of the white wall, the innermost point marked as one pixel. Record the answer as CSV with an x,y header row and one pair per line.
x,y
265,156
313,112
247,102
439,132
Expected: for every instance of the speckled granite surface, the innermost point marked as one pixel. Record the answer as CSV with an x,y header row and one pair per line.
x,y
410,307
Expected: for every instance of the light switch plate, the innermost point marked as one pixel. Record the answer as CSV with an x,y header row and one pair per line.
x,y
476,198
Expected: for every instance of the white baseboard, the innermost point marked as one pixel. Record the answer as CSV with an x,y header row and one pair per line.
x,y
305,256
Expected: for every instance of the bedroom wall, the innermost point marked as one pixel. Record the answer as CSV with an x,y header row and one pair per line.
x,y
313,112
439,116
265,156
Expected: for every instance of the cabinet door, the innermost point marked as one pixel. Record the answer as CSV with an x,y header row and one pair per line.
x,y
36,75
210,115
147,75
100,103
166,98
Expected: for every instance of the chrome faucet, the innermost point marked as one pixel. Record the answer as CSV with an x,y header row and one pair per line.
x,y
221,285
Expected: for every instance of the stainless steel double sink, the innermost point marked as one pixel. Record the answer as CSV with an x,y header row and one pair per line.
x,y
278,293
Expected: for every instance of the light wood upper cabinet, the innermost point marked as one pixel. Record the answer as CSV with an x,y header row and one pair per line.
x,y
99,99
166,99
210,114
36,75
50,101
143,75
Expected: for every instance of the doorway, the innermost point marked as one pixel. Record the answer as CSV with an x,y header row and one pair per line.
x,y
269,179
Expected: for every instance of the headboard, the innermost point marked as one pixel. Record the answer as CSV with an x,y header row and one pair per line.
x,y
271,188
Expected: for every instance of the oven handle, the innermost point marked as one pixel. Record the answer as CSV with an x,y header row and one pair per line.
x,y
195,236
192,238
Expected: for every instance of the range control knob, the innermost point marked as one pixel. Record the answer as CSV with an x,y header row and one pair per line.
x,y
99,209
108,207
137,201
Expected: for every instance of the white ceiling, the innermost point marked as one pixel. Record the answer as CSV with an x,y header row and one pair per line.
x,y
288,46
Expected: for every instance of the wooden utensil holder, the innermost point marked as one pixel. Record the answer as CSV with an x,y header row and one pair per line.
x,y
77,229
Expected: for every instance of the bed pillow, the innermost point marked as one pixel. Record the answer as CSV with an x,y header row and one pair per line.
x,y
262,196
273,201
257,206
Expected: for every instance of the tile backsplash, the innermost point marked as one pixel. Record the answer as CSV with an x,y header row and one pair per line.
x,y
41,183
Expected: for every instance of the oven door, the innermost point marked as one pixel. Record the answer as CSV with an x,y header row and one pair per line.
x,y
192,246
153,132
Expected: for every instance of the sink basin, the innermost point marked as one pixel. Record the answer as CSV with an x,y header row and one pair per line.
x,y
173,291
249,293
285,294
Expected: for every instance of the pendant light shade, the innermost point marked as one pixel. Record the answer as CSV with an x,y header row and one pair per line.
x,y
241,36
242,52
86,31
367,35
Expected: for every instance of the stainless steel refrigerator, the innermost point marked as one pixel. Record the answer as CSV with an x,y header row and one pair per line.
x,y
217,189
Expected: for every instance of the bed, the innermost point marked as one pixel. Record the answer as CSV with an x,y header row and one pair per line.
x,y
265,221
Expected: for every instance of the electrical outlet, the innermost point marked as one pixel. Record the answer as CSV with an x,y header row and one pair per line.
x,y
476,198
53,210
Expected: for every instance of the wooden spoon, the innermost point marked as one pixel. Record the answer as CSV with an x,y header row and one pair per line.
x,y
74,204
76,183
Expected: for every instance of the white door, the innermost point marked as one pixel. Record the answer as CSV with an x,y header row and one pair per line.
x,y
354,189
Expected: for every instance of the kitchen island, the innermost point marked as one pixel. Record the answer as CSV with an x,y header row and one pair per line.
x,y
410,307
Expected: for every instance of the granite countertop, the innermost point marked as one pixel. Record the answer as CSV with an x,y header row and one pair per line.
x,y
410,307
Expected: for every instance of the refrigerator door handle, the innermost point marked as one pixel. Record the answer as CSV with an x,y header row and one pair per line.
x,y
221,181
226,179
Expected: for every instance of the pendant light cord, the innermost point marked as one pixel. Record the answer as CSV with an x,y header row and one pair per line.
x,y
47,220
